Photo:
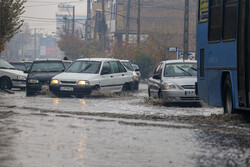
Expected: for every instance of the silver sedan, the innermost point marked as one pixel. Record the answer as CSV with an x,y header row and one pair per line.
x,y
174,81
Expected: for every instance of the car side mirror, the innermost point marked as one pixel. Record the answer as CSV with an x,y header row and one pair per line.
x,y
156,76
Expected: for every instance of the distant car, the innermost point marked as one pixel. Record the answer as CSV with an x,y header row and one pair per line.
x,y
40,74
137,70
87,75
129,67
10,77
174,81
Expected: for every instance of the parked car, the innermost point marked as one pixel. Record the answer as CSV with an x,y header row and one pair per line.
x,y
174,81
40,74
129,67
86,75
10,77
137,70
21,65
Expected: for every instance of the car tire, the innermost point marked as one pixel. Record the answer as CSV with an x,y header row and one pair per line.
x,y
5,83
126,87
149,94
228,96
28,92
160,94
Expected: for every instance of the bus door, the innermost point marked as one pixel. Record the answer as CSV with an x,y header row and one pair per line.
x,y
244,54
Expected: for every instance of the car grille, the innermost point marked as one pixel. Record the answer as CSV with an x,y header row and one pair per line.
x,y
190,98
188,86
68,82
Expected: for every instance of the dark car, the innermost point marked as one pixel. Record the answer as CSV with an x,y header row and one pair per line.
x,y
40,74
22,65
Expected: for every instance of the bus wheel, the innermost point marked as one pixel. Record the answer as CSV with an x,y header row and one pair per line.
x,y
228,96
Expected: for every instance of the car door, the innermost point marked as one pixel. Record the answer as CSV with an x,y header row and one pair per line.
x,y
107,77
120,74
155,81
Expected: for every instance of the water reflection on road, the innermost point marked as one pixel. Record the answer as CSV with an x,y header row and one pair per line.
x,y
117,130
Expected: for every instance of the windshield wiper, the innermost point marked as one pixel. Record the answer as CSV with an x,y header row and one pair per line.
x,y
195,69
86,68
186,72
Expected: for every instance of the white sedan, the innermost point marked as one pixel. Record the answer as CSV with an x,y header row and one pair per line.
x,y
11,78
86,75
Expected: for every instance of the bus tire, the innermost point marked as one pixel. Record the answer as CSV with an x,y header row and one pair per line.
x,y
228,96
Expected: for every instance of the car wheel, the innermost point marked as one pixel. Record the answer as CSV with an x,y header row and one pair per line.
x,y
28,92
126,87
149,94
228,96
159,94
5,83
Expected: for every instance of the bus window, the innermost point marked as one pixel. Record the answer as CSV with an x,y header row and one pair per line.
x,y
229,19
215,21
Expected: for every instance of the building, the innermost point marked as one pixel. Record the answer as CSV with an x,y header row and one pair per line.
x,y
157,16
64,20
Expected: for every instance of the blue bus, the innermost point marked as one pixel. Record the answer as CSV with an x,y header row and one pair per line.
x,y
223,49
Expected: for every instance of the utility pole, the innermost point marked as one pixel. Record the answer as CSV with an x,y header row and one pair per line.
x,y
139,23
88,29
35,43
186,30
127,23
73,23
103,26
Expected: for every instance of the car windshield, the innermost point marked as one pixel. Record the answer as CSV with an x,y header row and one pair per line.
x,y
128,66
19,67
180,69
47,66
91,67
5,65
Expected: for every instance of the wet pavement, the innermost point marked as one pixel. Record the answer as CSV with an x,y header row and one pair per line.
x,y
118,130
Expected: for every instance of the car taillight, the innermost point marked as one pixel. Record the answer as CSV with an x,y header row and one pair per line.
x,y
138,73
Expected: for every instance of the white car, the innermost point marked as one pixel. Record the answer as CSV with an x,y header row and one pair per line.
x,y
86,75
129,67
174,81
11,78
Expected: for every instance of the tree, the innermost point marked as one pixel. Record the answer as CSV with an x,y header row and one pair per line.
x,y
17,42
10,22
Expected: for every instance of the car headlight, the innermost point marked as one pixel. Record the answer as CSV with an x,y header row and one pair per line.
x,y
171,86
54,81
21,77
33,81
83,83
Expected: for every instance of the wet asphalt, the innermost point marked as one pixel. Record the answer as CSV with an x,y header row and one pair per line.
x,y
116,130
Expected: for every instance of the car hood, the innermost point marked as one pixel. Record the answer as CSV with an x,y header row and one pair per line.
x,y
16,72
66,76
181,80
43,76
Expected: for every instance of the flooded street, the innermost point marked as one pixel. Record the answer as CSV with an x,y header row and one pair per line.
x,y
126,129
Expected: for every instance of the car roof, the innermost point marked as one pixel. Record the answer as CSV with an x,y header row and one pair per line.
x,y
47,60
96,59
179,61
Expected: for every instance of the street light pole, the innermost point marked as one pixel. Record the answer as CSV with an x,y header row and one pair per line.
x,y
128,21
139,22
186,30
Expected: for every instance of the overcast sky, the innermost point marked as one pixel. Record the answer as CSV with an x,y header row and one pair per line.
x,y
37,10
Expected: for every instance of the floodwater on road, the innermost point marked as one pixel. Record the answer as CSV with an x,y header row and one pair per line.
x,y
125,129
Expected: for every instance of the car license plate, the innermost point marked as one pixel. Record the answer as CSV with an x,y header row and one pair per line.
x,y
188,93
66,88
